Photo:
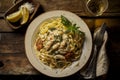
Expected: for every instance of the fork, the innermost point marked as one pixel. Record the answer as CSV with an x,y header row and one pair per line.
x,y
90,72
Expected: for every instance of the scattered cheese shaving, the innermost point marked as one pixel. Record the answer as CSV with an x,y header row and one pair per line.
x,y
29,6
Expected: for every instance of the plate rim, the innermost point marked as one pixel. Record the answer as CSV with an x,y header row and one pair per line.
x,y
29,27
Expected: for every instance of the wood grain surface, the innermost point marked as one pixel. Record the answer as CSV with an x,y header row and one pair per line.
x,y
13,59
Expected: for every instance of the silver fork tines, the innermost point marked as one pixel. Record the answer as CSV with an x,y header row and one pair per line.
x,y
99,36
90,71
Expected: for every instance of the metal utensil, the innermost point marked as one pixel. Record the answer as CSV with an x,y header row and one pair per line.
x,y
90,71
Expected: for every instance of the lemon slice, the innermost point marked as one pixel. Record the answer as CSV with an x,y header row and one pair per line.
x,y
14,17
25,15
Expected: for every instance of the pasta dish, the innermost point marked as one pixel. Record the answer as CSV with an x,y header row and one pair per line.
x,y
58,42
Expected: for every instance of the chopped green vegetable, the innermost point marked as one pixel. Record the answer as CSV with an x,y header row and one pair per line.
x,y
58,38
52,29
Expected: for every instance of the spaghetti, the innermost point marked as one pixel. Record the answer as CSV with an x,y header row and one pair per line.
x,y
56,46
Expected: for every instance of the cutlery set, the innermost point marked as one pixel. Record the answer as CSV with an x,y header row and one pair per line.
x,y
90,71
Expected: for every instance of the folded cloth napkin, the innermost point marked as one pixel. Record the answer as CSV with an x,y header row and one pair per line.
x,y
102,63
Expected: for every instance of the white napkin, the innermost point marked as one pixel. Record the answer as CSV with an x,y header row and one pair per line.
x,y
102,63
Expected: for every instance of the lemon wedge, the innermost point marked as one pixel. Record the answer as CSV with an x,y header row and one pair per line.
x,y
25,15
14,17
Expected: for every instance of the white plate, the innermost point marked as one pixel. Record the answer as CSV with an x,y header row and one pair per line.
x,y
30,37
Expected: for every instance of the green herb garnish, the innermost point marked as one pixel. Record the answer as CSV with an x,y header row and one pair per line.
x,y
71,28
58,38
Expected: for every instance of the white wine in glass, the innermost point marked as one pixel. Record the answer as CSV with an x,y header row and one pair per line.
x,y
96,7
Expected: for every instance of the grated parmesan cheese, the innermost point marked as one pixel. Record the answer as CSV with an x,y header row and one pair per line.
x,y
29,6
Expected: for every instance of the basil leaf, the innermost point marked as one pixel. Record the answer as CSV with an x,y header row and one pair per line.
x,y
65,21
71,28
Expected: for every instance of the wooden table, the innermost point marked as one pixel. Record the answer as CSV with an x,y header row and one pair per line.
x,y
13,60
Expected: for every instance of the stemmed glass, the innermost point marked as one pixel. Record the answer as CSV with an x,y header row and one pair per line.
x,y
95,7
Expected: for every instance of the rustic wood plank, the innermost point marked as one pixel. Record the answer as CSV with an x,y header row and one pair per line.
x,y
70,5
5,5
4,27
16,64
12,43
114,6
77,7
111,22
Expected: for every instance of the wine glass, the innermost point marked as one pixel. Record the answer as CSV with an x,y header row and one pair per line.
x,y
96,7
